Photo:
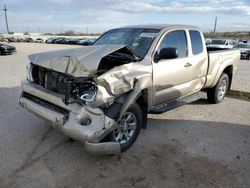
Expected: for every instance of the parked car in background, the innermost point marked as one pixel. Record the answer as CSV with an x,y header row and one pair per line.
x,y
244,41
85,41
58,40
12,39
50,40
82,40
6,49
29,40
20,40
221,43
208,41
244,50
73,41
39,40
63,40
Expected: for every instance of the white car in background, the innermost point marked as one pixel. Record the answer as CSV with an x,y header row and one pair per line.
x,y
221,43
244,50
39,40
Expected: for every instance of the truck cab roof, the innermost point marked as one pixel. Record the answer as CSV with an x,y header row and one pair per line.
x,y
161,26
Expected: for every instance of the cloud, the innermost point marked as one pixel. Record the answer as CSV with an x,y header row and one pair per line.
x,y
62,2
183,7
100,15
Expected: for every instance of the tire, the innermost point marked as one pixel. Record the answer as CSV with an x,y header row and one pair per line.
x,y
218,92
125,136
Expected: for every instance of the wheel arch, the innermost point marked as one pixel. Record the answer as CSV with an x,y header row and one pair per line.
x,y
142,101
229,71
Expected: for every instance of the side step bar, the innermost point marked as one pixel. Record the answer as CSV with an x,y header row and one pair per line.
x,y
161,108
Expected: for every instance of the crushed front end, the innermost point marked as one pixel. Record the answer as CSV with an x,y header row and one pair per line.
x,y
62,100
83,92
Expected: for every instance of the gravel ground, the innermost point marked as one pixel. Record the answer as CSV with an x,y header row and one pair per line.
x,y
197,145
241,81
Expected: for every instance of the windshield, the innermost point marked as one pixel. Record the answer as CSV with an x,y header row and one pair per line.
x,y
220,42
243,46
139,40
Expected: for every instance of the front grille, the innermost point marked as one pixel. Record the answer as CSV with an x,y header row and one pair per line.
x,y
71,88
51,80
46,104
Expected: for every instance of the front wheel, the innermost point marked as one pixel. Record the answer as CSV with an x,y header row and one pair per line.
x,y
129,127
218,92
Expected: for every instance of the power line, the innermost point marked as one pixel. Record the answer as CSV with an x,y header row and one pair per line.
x,y
6,19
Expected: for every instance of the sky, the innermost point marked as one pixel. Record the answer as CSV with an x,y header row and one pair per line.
x,y
101,15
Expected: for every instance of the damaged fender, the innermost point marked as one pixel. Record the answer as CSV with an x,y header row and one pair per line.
x,y
130,78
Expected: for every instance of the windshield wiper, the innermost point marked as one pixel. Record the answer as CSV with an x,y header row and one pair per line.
x,y
135,55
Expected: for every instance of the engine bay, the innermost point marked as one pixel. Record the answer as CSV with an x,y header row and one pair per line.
x,y
76,90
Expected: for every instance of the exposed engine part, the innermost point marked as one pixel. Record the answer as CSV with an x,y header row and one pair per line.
x,y
76,90
90,93
80,91
120,57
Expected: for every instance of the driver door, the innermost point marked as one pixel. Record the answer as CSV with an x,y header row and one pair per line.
x,y
173,78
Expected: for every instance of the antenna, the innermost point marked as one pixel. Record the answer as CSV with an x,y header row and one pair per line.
x,y
215,24
6,19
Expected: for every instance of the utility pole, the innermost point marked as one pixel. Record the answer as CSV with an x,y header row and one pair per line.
x,y
6,19
215,24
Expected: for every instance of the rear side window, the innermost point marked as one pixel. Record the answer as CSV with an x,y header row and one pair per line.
x,y
176,39
196,41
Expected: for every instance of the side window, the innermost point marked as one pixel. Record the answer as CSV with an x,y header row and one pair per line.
x,y
196,41
175,39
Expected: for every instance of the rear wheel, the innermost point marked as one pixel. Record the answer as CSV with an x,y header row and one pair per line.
x,y
218,92
129,127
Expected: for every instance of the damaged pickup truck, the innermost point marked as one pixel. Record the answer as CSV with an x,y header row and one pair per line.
x,y
100,95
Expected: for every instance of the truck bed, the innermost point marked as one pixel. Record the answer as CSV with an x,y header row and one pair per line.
x,y
218,59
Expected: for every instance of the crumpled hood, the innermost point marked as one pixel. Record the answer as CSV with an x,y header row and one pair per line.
x,y
78,62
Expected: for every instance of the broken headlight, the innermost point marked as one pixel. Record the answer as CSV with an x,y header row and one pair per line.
x,y
29,68
88,92
80,92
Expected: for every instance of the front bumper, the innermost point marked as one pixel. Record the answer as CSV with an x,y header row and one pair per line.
x,y
70,119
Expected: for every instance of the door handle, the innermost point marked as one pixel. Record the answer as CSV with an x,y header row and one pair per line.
x,y
188,65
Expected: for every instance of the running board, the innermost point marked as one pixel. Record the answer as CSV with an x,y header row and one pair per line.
x,y
174,104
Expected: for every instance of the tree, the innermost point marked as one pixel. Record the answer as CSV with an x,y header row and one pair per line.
x,y
69,33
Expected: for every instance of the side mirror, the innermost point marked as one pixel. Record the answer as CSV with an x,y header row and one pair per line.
x,y
167,53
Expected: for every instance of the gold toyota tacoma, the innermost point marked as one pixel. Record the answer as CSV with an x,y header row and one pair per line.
x,y
100,95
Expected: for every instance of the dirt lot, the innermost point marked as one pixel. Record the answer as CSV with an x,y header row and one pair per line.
x,y
197,145
241,81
